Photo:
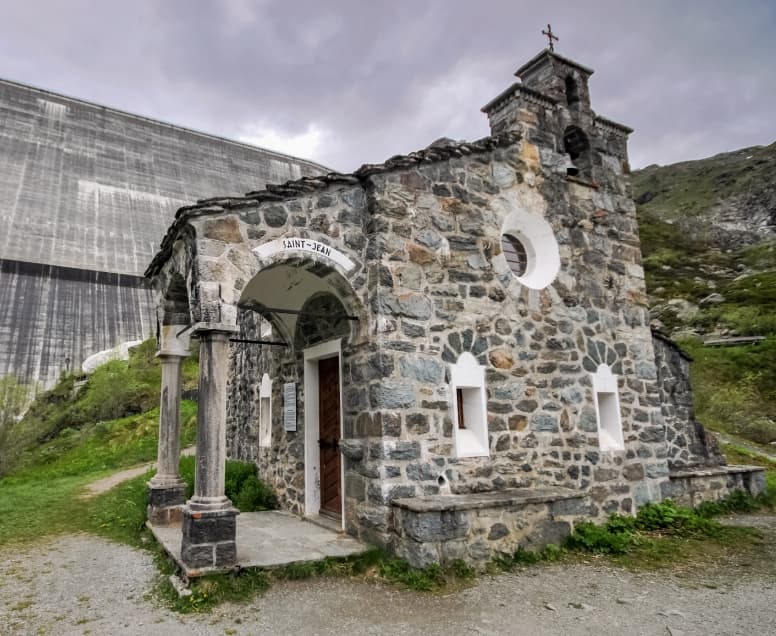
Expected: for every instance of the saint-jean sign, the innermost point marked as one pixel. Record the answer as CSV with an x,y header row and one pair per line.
x,y
294,244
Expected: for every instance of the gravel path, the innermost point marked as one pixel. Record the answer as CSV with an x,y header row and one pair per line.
x,y
85,585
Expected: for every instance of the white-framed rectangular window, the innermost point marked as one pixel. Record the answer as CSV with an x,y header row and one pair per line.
x,y
469,407
265,412
607,410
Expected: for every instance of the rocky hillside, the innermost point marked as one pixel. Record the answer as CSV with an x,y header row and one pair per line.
x,y
708,231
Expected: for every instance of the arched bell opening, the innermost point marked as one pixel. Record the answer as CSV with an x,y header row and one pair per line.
x,y
577,146
572,91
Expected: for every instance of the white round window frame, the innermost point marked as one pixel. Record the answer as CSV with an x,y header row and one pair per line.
x,y
540,245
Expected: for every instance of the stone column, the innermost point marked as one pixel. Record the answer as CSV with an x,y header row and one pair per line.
x,y
166,490
209,519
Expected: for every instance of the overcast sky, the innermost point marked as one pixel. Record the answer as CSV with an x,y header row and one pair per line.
x,y
348,82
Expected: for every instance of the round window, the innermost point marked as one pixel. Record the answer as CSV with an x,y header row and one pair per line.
x,y
530,249
515,253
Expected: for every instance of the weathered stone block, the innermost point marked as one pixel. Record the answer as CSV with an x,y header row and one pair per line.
x,y
198,556
225,229
435,526
226,554
497,531
275,216
206,529
355,487
392,395
633,472
415,306
570,507
353,449
544,423
421,368
605,474
417,423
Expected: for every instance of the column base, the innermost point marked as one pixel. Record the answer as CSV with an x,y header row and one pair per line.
x,y
209,538
165,503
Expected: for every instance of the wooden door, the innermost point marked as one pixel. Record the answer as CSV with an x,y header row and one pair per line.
x,y
329,435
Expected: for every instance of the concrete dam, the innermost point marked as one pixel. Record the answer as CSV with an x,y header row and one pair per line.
x,y
86,194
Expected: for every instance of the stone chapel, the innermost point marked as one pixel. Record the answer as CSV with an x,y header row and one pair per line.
x,y
447,354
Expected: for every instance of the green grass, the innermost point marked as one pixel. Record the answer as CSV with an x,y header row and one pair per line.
x,y
690,188
104,446
735,388
661,535
42,496
34,508
209,591
118,389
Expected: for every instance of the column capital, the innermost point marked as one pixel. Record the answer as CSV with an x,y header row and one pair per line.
x,y
173,341
214,328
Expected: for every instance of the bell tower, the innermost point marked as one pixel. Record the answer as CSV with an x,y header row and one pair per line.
x,y
560,78
551,107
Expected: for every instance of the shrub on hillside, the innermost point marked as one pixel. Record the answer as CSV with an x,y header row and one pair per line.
x,y
761,430
242,485
117,389
14,396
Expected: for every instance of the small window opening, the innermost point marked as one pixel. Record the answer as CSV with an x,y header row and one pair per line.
x,y
459,398
607,408
515,253
265,412
469,406
572,91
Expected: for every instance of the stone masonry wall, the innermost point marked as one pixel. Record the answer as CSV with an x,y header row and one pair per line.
x,y
689,444
334,217
435,284
693,487
445,288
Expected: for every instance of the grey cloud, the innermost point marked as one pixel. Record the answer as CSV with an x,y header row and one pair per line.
x,y
692,78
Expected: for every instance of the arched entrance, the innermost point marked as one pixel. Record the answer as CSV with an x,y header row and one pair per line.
x,y
314,315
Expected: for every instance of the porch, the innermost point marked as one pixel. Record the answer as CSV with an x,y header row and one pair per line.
x,y
270,539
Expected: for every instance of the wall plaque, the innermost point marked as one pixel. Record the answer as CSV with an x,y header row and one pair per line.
x,y
289,406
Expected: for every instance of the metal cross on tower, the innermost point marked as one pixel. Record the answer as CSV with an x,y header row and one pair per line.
x,y
550,36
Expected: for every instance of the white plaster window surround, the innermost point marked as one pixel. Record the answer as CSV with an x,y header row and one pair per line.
x,y
536,237
469,407
607,410
265,412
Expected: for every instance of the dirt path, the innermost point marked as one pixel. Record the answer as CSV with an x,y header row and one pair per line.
x,y
105,484
739,441
82,584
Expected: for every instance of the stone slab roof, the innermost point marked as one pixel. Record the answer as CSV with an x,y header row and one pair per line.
x,y
307,185
546,53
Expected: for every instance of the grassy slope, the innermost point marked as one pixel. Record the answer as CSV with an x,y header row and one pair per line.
x,y
70,437
690,188
735,388
681,259
43,497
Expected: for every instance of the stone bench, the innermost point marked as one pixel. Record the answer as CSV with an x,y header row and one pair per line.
x,y
476,527
693,486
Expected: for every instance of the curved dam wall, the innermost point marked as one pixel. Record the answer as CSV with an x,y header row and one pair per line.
x,y
86,194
